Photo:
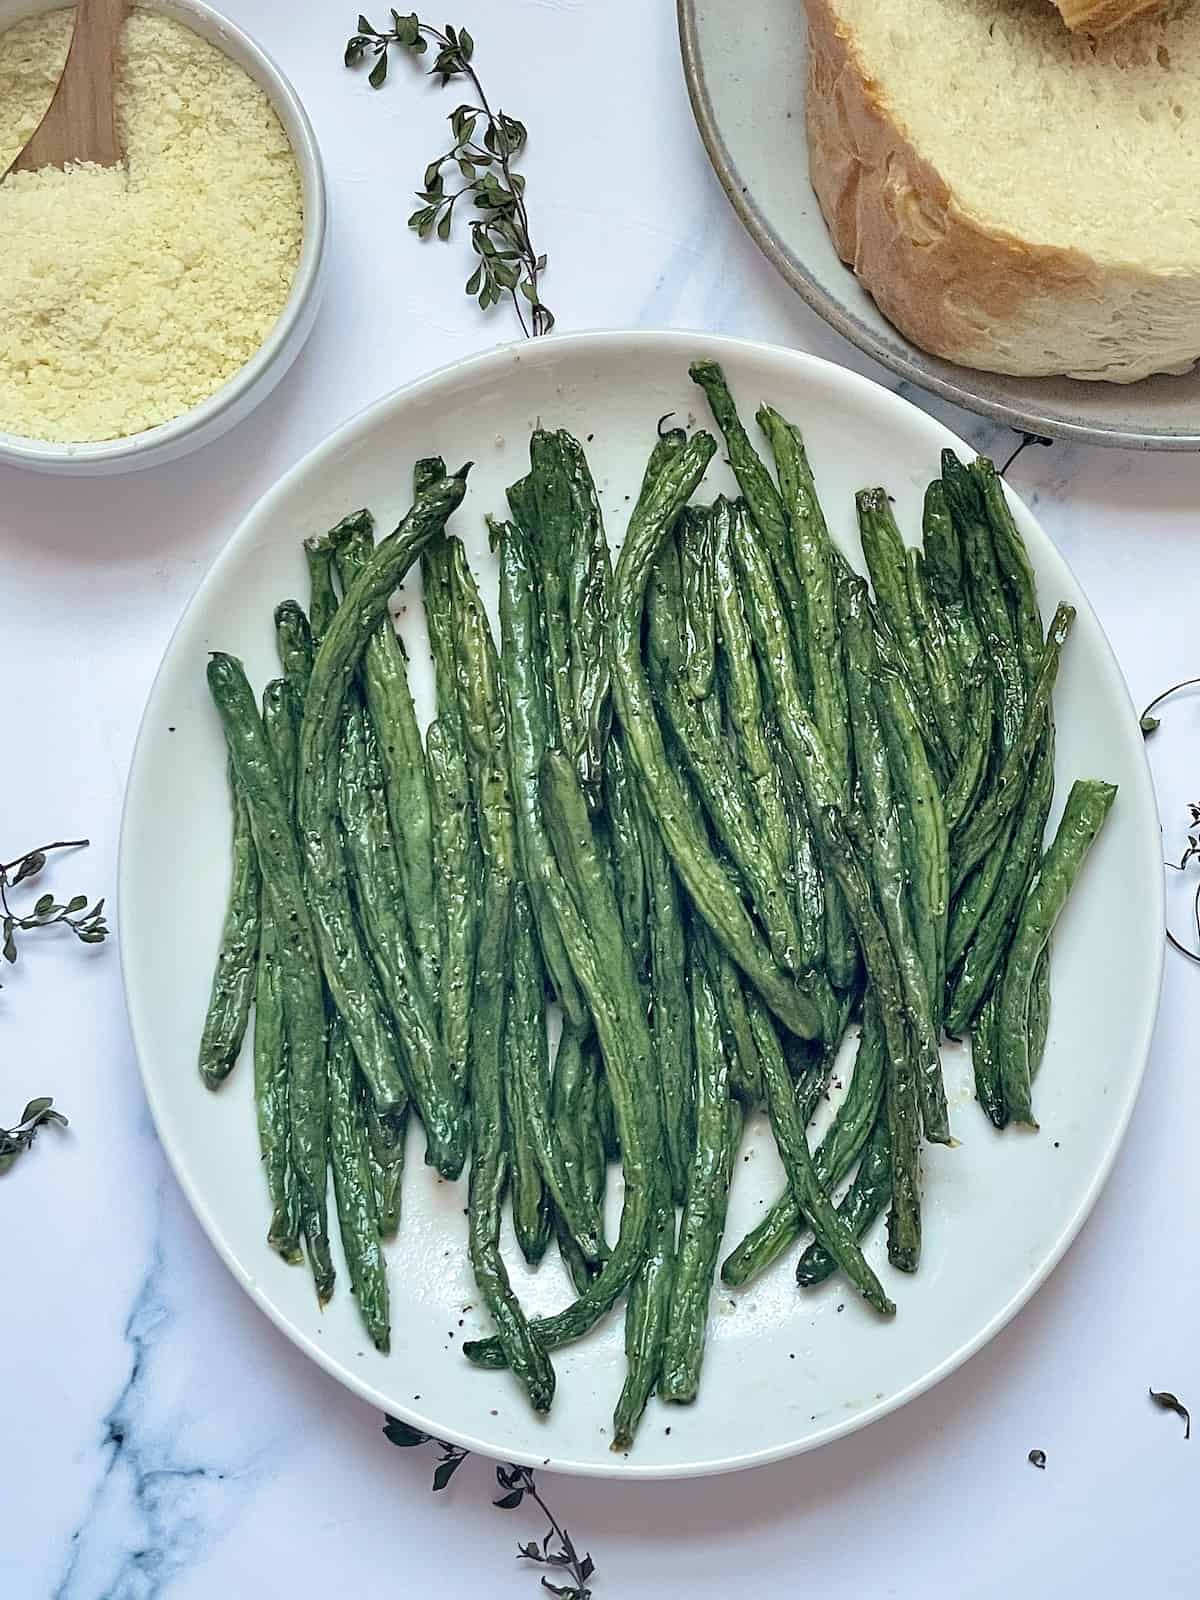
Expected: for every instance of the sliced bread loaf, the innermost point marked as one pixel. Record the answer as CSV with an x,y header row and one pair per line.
x,y
1015,197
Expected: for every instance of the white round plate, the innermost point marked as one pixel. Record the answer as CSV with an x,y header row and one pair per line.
x,y
784,1371
746,75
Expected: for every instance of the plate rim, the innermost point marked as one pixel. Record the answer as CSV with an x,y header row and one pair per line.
x,y
914,368
620,1467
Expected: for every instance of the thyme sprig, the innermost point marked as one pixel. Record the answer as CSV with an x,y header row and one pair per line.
x,y
555,1550
1150,725
14,1142
88,926
517,1482
484,145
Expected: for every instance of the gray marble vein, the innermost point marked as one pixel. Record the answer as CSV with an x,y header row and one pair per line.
x,y
153,1508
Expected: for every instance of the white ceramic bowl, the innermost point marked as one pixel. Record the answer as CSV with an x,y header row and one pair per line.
x,y
783,1372
238,396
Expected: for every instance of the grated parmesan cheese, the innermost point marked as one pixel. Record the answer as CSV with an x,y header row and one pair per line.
x,y
130,294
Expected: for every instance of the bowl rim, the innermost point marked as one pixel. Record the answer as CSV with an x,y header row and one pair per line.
x,y
217,29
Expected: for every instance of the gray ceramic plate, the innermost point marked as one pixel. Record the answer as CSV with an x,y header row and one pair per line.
x,y
746,68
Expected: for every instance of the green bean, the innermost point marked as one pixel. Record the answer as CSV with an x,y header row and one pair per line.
x,y
354,1191
1039,1012
988,939
439,620
535,1151
299,963
987,599
891,879
555,540
670,1010
237,957
813,558
745,1069
811,895
1088,804
483,721
271,1100
985,1059
887,562
588,583
374,871
323,599
527,1084
646,1319
800,735
526,720
406,789
715,897
904,1219
864,1200
591,928
386,1133
427,470
281,712
625,850
980,828
809,1196
281,727
974,894
891,661
763,766
945,689
766,508
695,535
703,1220
606,1120
969,774
1015,569
834,1157
347,970
296,646
591,1138
459,873
521,1351
531,1209
720,784
944,574
566,1089
926,838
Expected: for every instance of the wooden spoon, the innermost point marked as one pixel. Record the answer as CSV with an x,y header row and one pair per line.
x,y
81,122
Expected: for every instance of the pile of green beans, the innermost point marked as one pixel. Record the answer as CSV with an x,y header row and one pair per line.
x,y
686,819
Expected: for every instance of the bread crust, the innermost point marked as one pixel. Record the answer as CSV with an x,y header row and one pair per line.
x,y
1102,16
955,285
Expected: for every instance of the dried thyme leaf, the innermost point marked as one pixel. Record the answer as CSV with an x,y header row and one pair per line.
x,y
1166,1401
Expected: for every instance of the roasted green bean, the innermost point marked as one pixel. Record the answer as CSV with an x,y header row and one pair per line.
x,y
299,963
703,1221
354,1191
237,956
343,959
1088,804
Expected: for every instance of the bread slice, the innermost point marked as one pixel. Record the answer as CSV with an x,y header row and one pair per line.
x,y
1102,16
1014,196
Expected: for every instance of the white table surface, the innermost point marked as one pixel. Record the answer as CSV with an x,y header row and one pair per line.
x,y
160,1437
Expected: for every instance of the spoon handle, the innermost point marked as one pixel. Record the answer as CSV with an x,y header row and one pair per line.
x,y
80,123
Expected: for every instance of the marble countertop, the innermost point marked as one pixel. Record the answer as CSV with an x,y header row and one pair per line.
x,y
160,1437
